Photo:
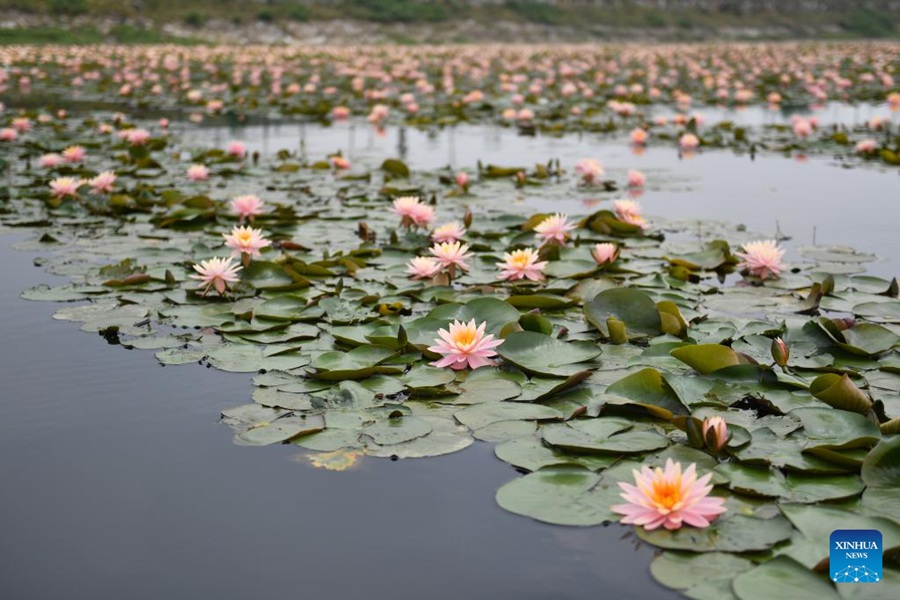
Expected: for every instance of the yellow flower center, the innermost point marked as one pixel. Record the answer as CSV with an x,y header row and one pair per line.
x,y
519,260
464,336
667,494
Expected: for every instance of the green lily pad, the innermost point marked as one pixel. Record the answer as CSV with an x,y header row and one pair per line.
x,y
735,534
607,434
771,579
541,354
561,495
631,306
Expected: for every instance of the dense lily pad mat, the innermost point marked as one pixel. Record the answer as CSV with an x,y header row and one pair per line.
x,y
603,367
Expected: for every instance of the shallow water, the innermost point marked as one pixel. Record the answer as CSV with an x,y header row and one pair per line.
x,y
119,483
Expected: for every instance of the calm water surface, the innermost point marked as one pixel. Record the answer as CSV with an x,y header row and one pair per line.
x,y
119,483
815,200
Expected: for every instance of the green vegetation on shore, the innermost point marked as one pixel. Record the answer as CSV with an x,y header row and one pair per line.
x,y
697,20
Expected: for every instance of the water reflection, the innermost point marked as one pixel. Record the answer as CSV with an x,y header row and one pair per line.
x,y
812,200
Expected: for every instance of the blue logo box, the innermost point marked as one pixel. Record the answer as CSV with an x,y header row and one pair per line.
x,y
855,556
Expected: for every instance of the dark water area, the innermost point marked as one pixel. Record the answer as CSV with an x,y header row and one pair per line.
x,y
118,482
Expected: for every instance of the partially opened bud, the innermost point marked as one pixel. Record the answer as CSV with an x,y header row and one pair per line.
x,y
715,433
780,352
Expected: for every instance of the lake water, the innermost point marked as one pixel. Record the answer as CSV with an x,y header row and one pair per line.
x,y
118,482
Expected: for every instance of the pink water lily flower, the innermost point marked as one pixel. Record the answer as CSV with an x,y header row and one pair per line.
x,y
464,345
761,258
49,161
246,241
236,149
451,255
554,228
590,170
689,141
605,253
522,264
74,154
8,134
216,273
639,136
412,212
340,163
103,183
246,207
719,436
866,146
136,137
636,179
198,173
65,186
448,233
629,211
669,498
423,267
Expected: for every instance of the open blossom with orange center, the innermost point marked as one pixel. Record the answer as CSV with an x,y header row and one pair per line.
x,y
8,134
591,170
629,211
605,253
246,207
65,186
412,212
423,267
246,240
448,233
74,154
522,264
639,136
216,273
451,255
761,258
198,173
669,498
103,183
554,228
464,345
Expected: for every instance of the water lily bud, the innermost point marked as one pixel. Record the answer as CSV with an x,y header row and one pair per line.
x,y
467,219
715,433
844,323
827,285
780,352
617,331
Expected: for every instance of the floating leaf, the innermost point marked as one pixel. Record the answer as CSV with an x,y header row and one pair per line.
x,y
630,305
541,354
734,534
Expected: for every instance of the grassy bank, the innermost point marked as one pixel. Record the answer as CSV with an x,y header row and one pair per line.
x,y
75,21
